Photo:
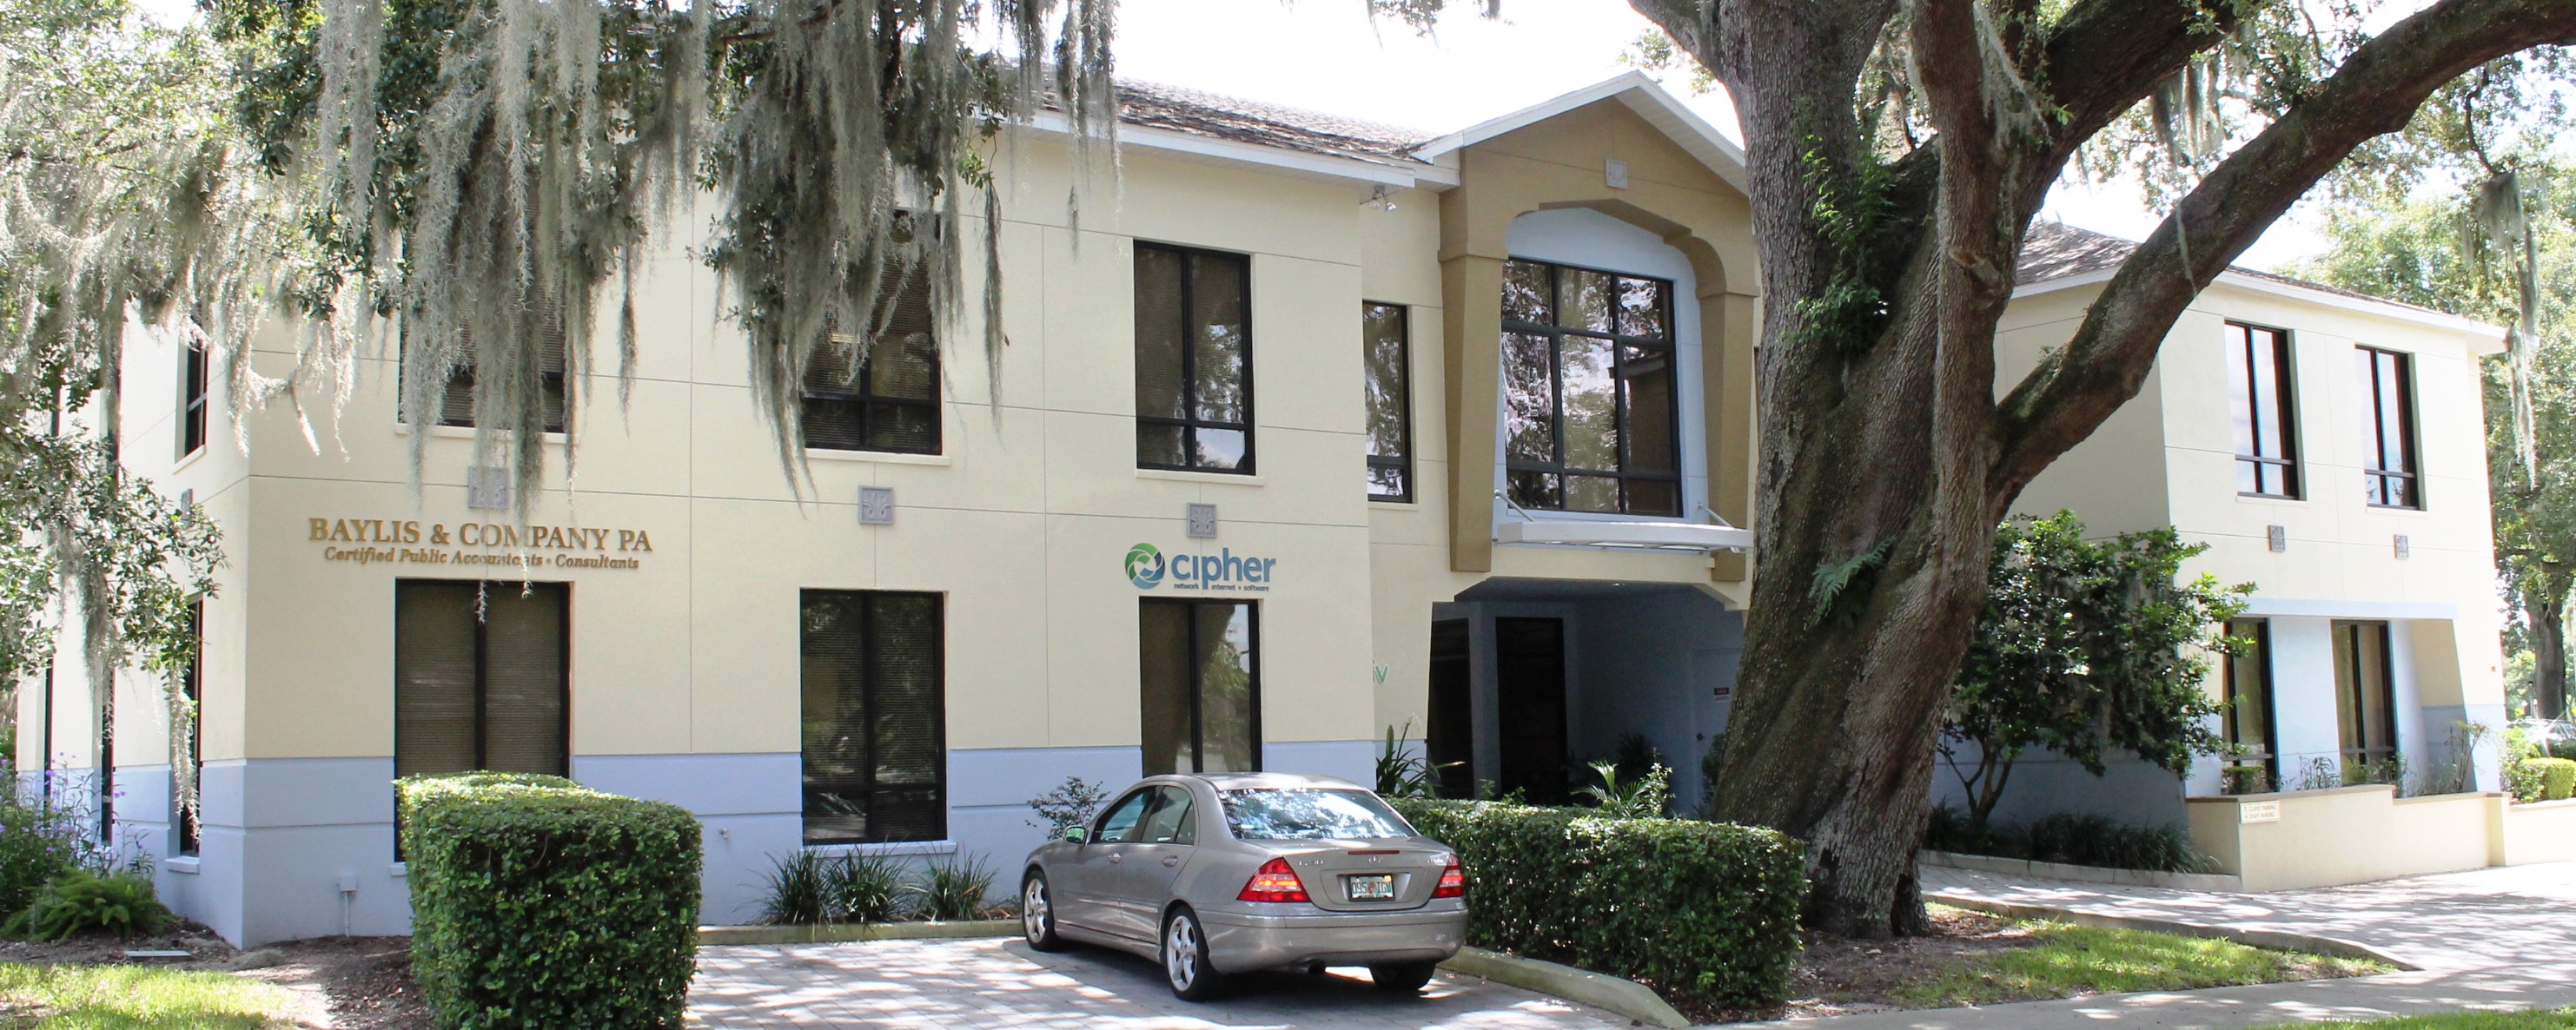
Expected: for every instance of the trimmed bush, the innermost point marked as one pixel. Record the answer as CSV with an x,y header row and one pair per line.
x,y
539,904
2072,838
2557,777
1702,912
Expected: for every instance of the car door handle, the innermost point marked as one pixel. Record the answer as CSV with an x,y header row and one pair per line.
x,y
1115,859
1171,860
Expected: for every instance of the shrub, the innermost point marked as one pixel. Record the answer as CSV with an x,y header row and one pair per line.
x,y
1621,796
955,889
2557,777
796,892
2071,838
38,842
82,902
1703,912
537,903
866,888
1068,805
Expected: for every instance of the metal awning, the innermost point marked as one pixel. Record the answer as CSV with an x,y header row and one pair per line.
x,y
1648,536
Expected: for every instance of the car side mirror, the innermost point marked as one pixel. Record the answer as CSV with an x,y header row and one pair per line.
x,y
1075,835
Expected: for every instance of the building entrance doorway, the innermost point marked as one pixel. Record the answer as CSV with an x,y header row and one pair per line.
x,y
1449,741
1529,681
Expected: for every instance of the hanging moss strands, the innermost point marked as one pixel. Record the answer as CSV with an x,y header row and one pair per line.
x,y
491,166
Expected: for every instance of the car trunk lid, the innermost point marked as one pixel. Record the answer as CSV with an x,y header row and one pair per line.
x,y
1370,875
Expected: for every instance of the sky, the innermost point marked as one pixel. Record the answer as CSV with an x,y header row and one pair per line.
x,y
1328,55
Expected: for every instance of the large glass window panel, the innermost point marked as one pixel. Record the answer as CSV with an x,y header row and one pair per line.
x,y
874,746
481,677
1585,299
1529,398
1218,322
2262,415
1201,686
2364,696
2389,475
1193,360
1646,388
1389,402
193,372
874,386
1528,291
2255,767
1160,388
1590,404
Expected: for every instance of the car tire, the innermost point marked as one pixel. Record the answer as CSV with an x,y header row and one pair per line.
x,y
1185,957
1037,913
1402,977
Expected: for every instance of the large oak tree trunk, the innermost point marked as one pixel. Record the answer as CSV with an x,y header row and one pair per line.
x,y
2545,619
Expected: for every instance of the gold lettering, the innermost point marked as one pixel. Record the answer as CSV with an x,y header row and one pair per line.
x,y
340,529
643,541
321,529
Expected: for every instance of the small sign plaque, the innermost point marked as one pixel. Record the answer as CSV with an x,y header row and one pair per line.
x,y
2258,812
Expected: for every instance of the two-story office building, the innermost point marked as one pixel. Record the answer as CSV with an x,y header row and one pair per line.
x,y
1320,428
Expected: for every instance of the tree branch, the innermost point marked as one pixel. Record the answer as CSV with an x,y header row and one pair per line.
x,y
2375,92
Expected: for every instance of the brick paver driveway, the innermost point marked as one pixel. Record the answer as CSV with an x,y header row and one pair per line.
x,y
992,983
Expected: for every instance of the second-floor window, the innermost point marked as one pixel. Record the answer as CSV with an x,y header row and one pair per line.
x,y
1387,352
889,402
2388,474
192,398
456,403
2258,374
1193,360
1590,416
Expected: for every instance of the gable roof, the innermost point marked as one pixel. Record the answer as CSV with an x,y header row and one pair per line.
x,y
1633,90
1154,105
2058,256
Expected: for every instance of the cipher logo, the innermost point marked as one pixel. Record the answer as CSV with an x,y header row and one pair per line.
x,y
1145,565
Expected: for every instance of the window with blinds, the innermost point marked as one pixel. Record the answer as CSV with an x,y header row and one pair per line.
x,y
881,396
874,721
481,677
1193,360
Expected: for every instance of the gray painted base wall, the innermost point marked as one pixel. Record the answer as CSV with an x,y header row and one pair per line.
x,y
2044,783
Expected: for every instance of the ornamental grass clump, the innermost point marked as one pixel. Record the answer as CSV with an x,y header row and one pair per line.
x,y
537,903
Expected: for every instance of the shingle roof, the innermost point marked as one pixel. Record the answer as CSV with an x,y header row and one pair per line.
x,y
2054,251
1154,105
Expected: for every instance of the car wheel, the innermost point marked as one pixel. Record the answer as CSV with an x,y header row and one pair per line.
x,y
1037,914
1402,977
1185,957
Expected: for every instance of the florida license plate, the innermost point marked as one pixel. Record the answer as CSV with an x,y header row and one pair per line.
x,y
1371,887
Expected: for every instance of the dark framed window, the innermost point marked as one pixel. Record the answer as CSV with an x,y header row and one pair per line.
x,y
888,401
2365,697
1193,360
192,686
2260,380
2255,768
456,399
1201,685
1591,421
2388,473
193,375
874,716
482,677
1387,351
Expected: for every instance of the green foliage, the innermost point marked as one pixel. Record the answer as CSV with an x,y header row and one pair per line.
x,y
812,888
81,902
2078,960
1620,797
537,903
1705,912
130,997
2554,1019
2082,839
38,842
955,888
796,893
1404,771
2557,777
2087,648
1070,804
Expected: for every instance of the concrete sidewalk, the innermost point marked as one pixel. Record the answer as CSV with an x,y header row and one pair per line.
x,y
2487,939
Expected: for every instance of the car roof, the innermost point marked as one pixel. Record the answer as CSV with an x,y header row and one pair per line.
x,y
1274,781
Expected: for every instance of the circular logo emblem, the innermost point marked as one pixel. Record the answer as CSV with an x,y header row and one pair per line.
x,y
1145,565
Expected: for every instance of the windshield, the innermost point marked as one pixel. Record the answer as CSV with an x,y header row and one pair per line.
x,y
1310,815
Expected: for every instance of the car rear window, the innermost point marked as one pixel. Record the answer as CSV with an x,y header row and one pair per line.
x,y
1272,814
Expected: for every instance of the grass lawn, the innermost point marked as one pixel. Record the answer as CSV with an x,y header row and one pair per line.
x,y
68,997
2555,1019
2067,961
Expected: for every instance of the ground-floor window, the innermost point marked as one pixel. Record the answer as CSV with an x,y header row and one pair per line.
x,y
2365,698
481,677
192,687
2255,767
874,728
1201,686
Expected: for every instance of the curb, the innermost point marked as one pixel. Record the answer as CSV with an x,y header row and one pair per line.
x,y
2277,940
1625,997
2219,882
843,932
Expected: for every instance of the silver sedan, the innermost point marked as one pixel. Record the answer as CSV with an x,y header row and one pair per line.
x,y
1229,873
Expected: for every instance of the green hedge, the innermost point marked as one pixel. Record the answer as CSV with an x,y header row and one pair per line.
x,y
1701,911
2557,777
539,904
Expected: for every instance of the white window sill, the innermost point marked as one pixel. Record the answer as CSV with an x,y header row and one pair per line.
x,y
400,870
458,432
877,457
184,865
911,847
1180,476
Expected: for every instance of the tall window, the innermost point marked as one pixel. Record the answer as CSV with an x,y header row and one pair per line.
x,y
2256,766
481,677
875,743
192,398
2365,698
1201,686
456,401
2258,372
1193,360
192,686
890,401
2388,431
1386,340
1588,389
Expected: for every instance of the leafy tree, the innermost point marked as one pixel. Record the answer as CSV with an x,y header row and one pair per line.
x,y
2426,250
2087,648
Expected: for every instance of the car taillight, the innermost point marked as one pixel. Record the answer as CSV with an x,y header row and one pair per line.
x,y
1453,882
1274,881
